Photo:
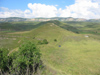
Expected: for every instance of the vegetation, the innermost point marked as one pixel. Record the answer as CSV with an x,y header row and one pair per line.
x,y
25,62
55,40
3,60
40,42
45,41
83,27
17,26
78,54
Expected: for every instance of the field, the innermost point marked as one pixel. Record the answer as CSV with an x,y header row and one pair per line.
x,y
75,51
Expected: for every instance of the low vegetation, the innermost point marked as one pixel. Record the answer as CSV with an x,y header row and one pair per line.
x,y
56,48
26,61
17,26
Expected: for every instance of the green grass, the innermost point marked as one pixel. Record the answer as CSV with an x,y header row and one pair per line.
x,y
83,27
18,26
73,57
77,55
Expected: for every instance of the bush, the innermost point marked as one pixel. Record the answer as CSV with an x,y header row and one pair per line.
x,y
28,59
40,42
24,62
55,40
77,32
4,59
45,41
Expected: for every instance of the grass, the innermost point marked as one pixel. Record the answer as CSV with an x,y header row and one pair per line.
x,y
78,55
73,58
17,26
83,27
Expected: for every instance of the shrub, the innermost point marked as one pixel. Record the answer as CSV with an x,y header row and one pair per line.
x,y
40,42
55,40
28,59
45,41
4,59
77,32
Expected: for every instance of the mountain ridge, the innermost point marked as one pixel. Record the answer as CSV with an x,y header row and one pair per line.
x,y
17,19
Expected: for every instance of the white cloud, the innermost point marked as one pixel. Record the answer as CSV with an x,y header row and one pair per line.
x,y
42,10
78,1
80,9
10,13
4,9
35,10
27,14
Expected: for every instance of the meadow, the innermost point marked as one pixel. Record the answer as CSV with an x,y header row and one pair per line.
x,y
71,54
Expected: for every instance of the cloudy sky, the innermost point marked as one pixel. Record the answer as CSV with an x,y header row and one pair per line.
x,y
89,9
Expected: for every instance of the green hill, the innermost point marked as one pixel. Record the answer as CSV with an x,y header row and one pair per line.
x,y
84,27
70,54
77,54
18,26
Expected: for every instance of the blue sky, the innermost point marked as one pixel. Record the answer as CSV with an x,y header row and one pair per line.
x,y
22,4
88,9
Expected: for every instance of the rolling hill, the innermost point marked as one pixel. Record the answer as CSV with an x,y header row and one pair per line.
x,y
71,54
77,54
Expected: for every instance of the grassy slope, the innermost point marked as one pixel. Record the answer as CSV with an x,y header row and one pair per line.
x,y
77,55
84,27
17,26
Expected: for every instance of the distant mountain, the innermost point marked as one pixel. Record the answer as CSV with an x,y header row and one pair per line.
x,y
94,20
11,19
59,18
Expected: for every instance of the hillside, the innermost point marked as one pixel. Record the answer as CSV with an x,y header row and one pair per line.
x,y
77,54
18,26
84,27
70,54
73,57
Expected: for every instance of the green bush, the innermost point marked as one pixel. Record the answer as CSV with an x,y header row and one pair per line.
x,y
3,59
26,61
45,41
40,42
55,40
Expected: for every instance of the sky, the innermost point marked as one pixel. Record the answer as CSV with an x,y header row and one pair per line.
x,y
88,9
